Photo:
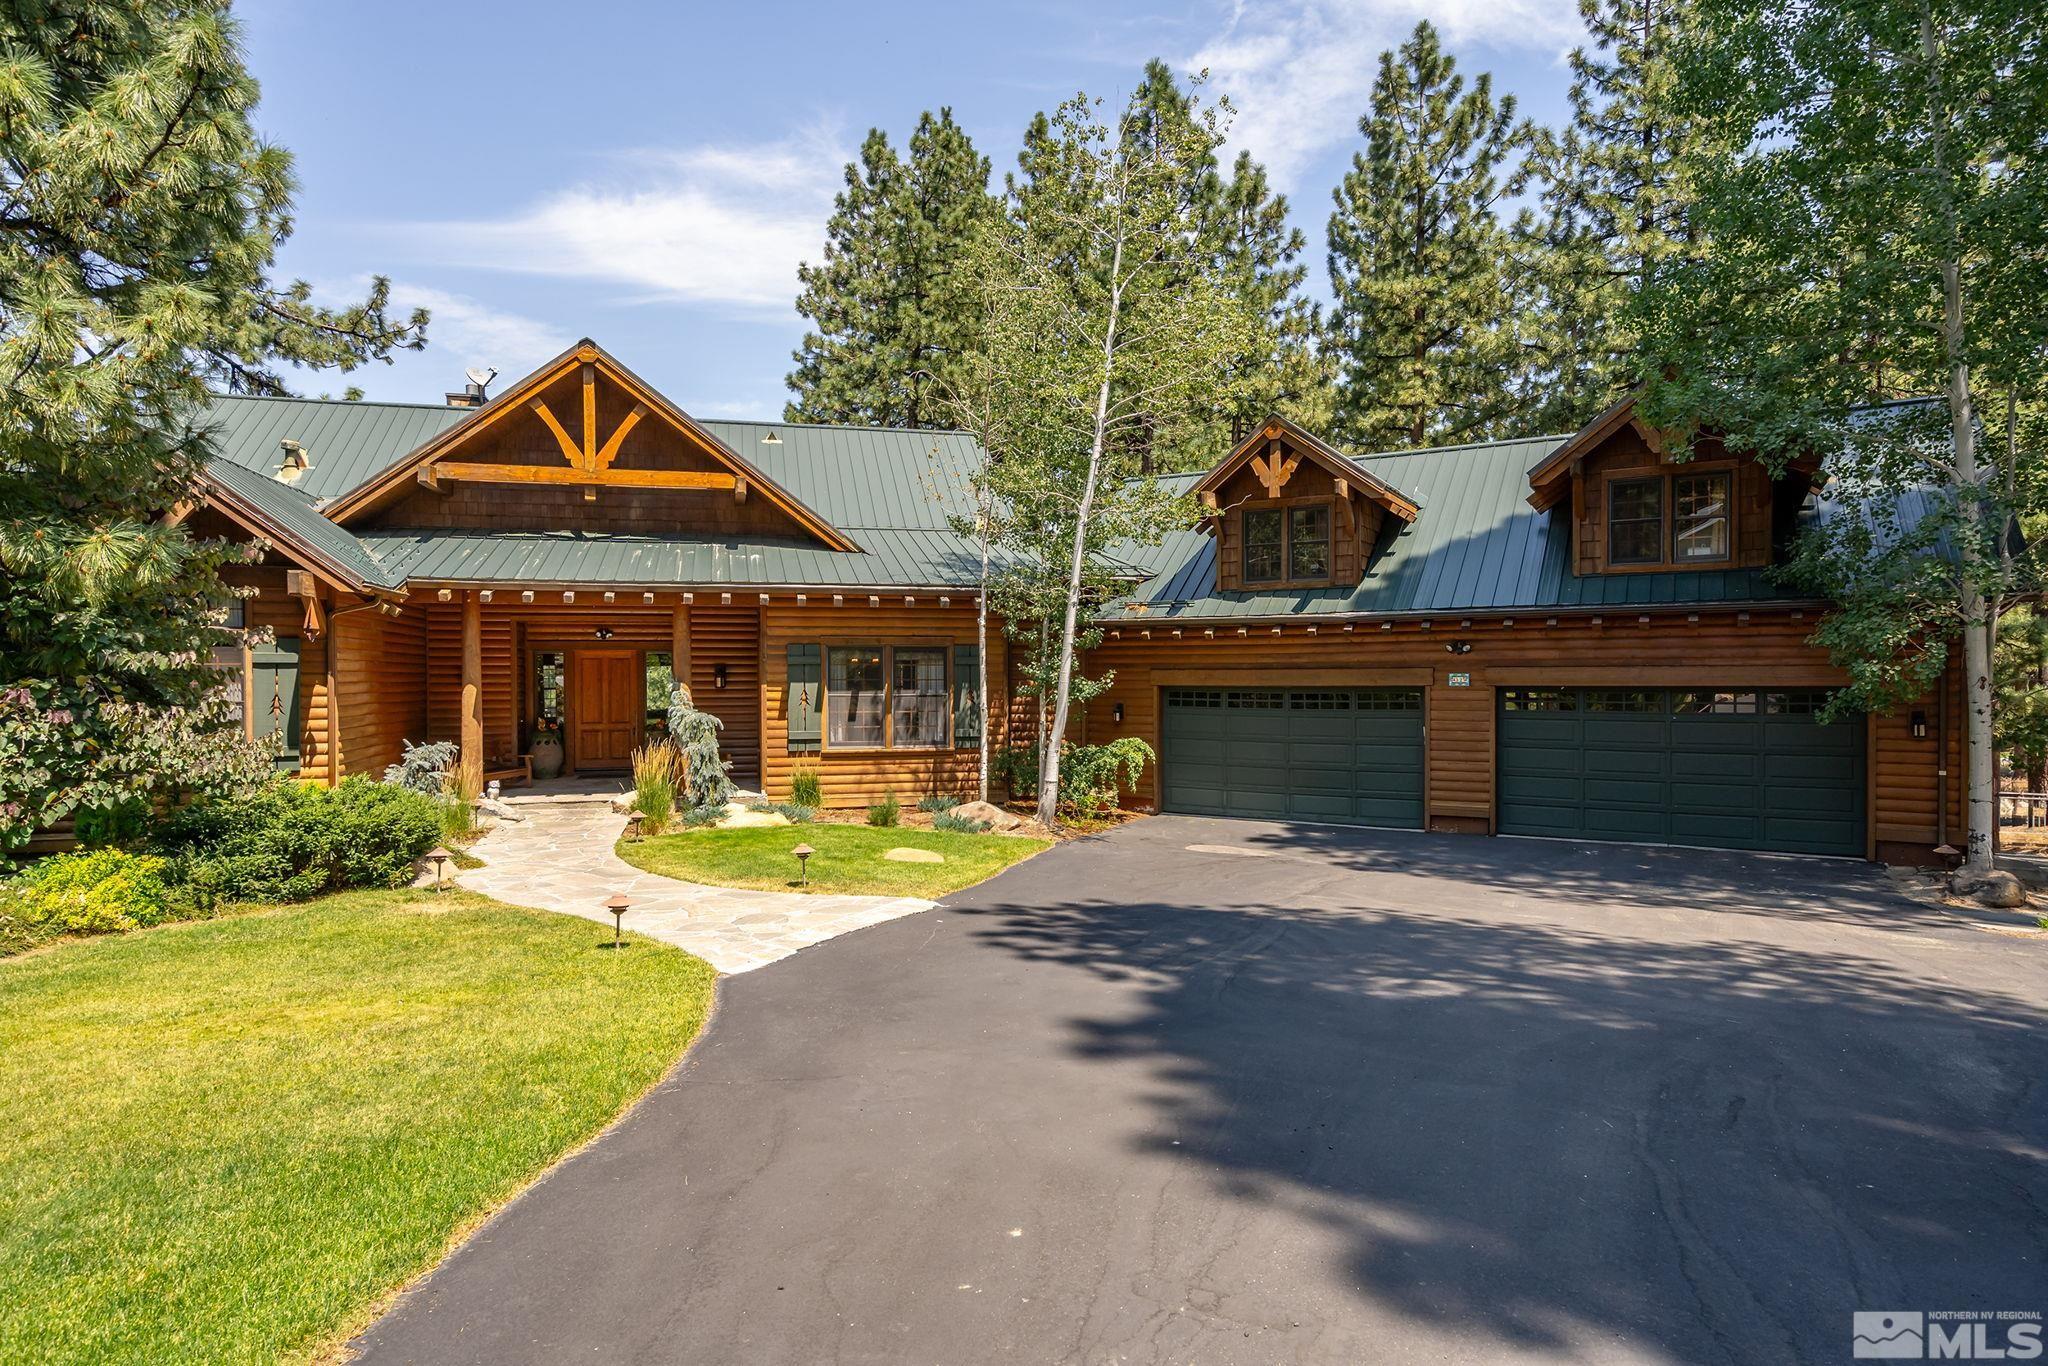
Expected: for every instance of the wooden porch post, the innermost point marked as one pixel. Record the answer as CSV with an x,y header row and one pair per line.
x,y
679,645
472,756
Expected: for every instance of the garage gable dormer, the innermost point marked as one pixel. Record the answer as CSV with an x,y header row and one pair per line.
x,y
1641,502
1290,511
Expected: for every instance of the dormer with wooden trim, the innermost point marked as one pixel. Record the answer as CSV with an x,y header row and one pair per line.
x,y
1289,511
583,445
1636,507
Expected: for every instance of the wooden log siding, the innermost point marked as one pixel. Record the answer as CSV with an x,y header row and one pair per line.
x,y
863,776
381,683
1769,650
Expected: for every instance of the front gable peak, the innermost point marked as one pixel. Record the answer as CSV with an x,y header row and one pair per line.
x,y
1274,453
579,428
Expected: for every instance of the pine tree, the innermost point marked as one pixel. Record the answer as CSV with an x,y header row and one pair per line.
x,y
1419,259
893,314
139,216
1616,184
1289,372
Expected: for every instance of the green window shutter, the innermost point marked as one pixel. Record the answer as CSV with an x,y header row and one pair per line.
x,y
276,696
966,696
803,699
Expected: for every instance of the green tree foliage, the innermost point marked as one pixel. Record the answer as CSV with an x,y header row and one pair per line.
x,y
1874,224
894,314
139,215
1106,307
1420,261
1615,186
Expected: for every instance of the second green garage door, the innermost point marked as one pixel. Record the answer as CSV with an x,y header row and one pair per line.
x,y
1733,768
1347,755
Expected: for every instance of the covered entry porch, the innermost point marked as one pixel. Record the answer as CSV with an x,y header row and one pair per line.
x,y
591,669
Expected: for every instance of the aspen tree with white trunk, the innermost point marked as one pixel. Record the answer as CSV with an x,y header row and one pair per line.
x,y
1105,307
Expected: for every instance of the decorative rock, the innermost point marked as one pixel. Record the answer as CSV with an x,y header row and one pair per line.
x,y
997,818
499,810
2002,890
903,855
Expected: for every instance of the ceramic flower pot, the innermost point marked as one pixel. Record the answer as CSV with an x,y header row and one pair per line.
x,y
547,756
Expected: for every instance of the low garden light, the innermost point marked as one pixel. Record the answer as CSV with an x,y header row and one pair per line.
x,y
803,854
439,858
633,824
618,905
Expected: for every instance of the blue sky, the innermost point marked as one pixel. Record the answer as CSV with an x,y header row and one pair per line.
x,y
650,174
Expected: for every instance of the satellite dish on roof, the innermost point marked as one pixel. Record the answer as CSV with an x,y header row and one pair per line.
x,y
481,375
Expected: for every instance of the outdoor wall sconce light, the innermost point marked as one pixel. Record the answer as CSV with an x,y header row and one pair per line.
x,y
718,675
618,905
1116,713
603,633
1458,647
439,858
1919,725
803,854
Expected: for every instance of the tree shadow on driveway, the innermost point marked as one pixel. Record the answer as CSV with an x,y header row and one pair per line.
x,y
1680,1103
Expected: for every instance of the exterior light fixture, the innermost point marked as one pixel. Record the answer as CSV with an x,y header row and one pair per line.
x,y
1116,713
718,675
618,905
803,854
603,633
633,823
439,858
1919,725
1458,647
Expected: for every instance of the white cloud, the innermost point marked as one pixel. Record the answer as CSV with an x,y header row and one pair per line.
x,y
718,225
463,332
1301,71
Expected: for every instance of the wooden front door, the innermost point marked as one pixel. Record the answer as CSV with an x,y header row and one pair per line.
x,y
606,708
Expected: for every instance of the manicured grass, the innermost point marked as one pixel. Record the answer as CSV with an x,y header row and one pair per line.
x,y
849,858
225,1141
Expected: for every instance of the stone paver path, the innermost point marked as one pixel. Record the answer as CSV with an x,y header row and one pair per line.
x,y
559,858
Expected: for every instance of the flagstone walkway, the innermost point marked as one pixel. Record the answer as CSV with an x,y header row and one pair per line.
x,y
559,858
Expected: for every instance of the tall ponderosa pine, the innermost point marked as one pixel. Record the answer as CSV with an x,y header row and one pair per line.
x,y
1616,184
1419,259
1875,225
894,315
139,215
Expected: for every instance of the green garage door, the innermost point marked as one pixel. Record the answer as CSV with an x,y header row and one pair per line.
x,y
1349,755
1732,769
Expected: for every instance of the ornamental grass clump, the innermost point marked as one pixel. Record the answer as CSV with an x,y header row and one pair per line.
x,y
885,812
659,772
938,802
805,789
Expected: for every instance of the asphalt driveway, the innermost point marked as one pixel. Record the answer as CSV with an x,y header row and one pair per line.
x,y
1217,1091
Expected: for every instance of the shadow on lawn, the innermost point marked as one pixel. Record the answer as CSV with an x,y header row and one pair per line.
x,y
1570,1133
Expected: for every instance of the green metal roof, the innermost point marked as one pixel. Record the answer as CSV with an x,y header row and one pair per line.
x,y
295,513
1478,545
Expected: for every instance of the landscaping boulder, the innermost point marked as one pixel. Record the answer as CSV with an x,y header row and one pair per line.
x,y
744,819
903,855
1998,889
995,817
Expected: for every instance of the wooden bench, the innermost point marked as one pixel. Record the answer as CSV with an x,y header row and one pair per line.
x,y
513,770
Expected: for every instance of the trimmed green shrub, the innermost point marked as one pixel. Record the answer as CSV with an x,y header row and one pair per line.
x,y
805,789
937,802
965,825
288,841
887,811
100,891
1090,775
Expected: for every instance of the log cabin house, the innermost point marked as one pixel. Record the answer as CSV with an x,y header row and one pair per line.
x,y
1562,636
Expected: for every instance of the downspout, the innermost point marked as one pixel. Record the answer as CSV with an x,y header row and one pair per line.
x,y
1941,760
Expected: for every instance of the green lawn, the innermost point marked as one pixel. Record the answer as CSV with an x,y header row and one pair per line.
x,y
848,858
225,1141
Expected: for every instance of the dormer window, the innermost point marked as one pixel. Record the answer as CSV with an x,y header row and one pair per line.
x,y
1265,548
1677,518
1635,520
1308,542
